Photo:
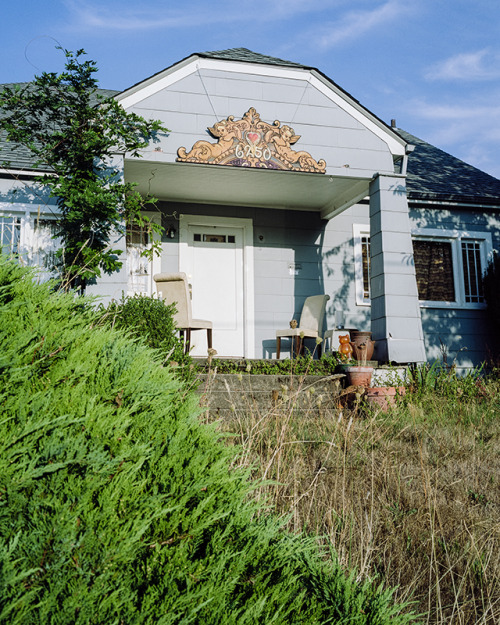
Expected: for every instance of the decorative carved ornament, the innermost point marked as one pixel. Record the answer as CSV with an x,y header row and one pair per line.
x,y
250,142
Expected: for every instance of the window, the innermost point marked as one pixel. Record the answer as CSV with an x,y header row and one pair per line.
x,y
30,237
10,234
362,264
434,270
448,266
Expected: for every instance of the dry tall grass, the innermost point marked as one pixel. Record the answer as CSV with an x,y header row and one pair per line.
x,y
411,496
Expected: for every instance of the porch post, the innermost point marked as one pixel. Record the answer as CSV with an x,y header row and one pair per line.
x,y
395,312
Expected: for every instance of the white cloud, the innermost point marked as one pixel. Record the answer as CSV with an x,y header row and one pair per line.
x,y
480,65
357,23
463,112
126,15
470,130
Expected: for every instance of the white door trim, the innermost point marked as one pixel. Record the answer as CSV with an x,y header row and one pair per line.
x,y
154,265
248,272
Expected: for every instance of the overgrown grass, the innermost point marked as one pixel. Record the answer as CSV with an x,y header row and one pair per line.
x,y
411,496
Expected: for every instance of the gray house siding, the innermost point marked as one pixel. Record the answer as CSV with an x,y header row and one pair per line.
x,y
326,130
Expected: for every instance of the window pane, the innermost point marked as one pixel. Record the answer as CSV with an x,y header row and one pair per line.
x,y
365,253
434,270
10,232
137,235
471,260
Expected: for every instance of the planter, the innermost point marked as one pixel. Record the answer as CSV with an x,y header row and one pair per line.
x,y
383,396
359,376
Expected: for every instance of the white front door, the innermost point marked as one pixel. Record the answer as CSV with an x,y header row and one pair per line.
x,y
213,257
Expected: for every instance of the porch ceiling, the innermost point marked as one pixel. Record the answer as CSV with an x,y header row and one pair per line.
x,y
212,184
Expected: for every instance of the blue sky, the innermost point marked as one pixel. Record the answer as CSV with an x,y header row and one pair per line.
x,y
433,65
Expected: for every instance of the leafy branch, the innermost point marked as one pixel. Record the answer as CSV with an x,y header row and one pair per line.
x,y
77,137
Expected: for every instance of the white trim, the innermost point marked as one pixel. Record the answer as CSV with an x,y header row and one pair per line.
x,y
22,172
455,237
248,265
358,231
154,265
152,86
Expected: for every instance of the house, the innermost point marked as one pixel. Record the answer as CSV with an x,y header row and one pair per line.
x,y
275,184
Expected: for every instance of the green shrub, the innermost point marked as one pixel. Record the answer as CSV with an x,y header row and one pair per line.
x,y
119,506
302,365
149,319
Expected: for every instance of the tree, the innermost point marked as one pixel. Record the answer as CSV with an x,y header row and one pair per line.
x,y
73,133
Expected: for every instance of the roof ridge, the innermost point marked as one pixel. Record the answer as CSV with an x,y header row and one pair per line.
x,y
249,56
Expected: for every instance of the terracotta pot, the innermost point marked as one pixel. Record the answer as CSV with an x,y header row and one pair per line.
x,y
363,351
362,345
359,376
383,396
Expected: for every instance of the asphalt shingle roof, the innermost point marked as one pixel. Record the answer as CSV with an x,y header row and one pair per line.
x,y
246,55
436,175
17,156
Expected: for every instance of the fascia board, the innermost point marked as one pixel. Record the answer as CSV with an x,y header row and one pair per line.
x,y
396,144
162,80
189,66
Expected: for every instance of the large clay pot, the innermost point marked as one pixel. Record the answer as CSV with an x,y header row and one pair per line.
x,y
359,376
362,345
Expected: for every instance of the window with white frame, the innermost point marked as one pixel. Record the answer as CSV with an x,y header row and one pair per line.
x,y
30,237
449,265
10,234
362,263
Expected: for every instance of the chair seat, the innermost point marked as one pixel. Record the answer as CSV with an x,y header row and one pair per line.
x,y
199,324
307,333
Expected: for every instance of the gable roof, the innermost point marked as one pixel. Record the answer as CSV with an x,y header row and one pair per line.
x,y
433,174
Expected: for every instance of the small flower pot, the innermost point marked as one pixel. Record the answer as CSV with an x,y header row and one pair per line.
x,y
383,397
359,376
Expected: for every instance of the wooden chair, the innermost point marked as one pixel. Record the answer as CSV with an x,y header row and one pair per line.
x,y
173,289
310,324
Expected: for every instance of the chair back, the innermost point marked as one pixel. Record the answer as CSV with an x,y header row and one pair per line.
x,y
173,289
313,313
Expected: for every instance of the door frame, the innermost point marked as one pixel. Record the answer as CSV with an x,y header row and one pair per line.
x,y
154,264
246,225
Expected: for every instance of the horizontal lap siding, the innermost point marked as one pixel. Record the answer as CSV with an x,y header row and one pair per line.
x,y
327,131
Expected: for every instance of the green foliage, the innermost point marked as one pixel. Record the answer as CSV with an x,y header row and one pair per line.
x,y
74,133
119,506
302,365
444,381
151,320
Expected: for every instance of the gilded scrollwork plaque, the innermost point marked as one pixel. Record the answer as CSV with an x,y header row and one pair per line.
x,y
251,142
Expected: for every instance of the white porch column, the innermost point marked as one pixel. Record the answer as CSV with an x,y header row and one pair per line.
x,y
395,312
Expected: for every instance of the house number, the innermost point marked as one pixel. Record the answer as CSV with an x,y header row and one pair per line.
x,y
243,151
